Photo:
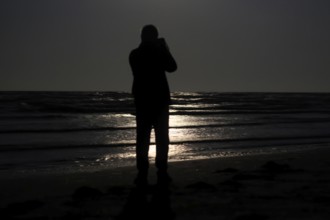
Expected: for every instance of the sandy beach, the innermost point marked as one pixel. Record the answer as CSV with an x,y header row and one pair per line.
x,y
293,185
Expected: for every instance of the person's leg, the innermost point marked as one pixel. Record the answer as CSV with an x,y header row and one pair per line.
x,y
143,130
161,126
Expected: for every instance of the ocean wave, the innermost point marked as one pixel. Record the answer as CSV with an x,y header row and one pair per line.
x,y
34,116
218,125
188,103
270,141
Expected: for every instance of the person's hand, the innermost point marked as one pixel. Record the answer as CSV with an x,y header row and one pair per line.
x,y
163,43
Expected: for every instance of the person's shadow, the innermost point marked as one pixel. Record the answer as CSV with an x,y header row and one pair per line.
x,y
152,202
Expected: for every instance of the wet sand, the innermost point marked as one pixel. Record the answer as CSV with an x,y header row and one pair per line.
x,y
293,185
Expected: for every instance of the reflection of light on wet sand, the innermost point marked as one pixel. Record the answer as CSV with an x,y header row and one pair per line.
x,y
113,120
125,155
179,121
176,151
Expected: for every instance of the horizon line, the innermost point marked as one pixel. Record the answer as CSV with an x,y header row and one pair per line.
x,y
117,91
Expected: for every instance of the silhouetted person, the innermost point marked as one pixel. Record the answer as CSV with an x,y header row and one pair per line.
x,y
152,99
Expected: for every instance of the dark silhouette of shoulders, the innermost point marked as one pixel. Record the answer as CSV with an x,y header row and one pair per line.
x,y
149,62
150,56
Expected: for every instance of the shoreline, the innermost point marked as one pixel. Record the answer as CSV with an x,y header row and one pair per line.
x,y
98,160
228,187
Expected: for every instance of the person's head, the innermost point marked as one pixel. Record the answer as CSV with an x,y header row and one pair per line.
x,y
149,33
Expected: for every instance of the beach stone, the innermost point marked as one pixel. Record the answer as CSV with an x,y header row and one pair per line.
x,y
231,186
22,208
86,192
202,186
274,167
232,183
247,176
117,190
227,170
322,199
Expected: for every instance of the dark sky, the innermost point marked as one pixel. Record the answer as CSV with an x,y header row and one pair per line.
x,y
220,45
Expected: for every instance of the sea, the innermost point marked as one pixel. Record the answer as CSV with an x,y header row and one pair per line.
x,y
59,132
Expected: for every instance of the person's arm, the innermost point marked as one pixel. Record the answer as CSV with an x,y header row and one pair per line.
x,y
170,65
169,61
